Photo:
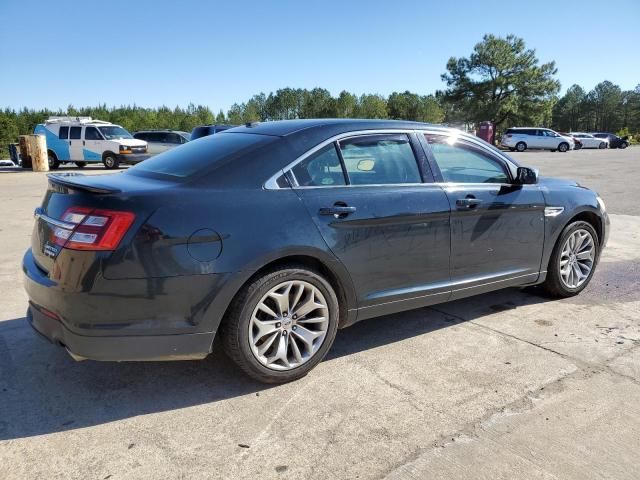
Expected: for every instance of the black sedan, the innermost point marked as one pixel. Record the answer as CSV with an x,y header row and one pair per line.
x,y
275,235
614,140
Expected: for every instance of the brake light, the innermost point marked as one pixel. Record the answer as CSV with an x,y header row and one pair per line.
x,y
93,229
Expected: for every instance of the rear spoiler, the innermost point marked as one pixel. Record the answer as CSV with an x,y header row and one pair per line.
x,y
78,181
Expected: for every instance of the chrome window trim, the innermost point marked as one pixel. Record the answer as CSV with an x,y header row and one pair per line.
x,y
39,214
271,184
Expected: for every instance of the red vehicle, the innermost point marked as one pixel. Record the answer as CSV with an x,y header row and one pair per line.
x,y
575,139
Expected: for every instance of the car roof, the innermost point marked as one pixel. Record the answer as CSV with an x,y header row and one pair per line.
x,y
283,128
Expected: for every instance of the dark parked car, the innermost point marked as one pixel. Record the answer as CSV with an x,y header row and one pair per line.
x,y
206,130
275,235
614,140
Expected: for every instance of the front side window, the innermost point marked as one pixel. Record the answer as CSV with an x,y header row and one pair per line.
x,y
75,133
462,162
379,160
63,134
114,132
91,133
321,169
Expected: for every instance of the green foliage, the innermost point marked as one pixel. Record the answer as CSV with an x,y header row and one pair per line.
x,y
500,81
606,108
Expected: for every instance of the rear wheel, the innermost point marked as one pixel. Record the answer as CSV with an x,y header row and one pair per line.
x,y
521,146
602,145
110,161
281,325
81,164
54,164
624,145
563,147
573,260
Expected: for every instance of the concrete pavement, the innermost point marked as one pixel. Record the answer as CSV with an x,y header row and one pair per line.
x,y
504,385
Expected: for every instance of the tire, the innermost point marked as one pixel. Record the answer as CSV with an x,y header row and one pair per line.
x,y
110,161
81,164
554,285
54,164
577,147
602,146
238,327
623,145
563,147
521,146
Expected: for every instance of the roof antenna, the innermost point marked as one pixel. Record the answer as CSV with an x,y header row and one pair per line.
x,y
251,124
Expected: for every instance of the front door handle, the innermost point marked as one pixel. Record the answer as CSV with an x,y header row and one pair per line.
x,y
339,211
468,202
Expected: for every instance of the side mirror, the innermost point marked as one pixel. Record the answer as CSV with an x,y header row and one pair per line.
x,y
527,176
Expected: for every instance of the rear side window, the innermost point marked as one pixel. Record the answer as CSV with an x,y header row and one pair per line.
x,y
75,133
91,133
380,160
198,157
461,162
173,138
321,169
140,136
63,134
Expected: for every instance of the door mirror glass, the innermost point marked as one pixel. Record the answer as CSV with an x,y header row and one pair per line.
x,y
527,176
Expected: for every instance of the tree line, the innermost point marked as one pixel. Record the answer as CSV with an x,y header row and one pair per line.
x,y
501,80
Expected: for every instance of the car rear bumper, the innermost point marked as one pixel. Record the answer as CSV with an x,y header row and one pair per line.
x,y
115,320
132,348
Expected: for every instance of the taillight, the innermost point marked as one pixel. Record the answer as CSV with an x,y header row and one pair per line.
x,y
92,229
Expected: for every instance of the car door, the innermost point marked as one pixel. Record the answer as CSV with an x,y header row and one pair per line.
x,y
497,227
75,144
534,139
366,195
92,150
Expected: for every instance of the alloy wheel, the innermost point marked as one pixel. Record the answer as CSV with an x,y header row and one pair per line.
x,y
288,325
577,258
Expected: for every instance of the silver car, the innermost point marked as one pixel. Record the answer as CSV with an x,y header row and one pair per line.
x,y
162,140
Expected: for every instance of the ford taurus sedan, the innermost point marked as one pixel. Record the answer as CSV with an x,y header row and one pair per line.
x,y
275,235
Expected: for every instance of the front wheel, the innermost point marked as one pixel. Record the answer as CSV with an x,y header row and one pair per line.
x,y
602,145
110,161
54,164
573,260
521,146
563,147
624,145
281,325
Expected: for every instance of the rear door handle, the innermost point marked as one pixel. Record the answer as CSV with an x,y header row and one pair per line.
x,y
469,202
337,210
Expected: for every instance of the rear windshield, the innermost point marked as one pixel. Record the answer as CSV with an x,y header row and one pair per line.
x,y
203,154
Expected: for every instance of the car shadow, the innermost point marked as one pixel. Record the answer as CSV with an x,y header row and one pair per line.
x,y
42,390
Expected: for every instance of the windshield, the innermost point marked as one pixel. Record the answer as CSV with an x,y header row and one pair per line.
x,y
114,132
187,136
200,155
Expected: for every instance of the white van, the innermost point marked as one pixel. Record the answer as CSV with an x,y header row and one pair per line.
x,y
522,138
83,140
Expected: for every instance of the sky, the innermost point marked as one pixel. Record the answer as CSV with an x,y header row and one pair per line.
x,y
152,53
